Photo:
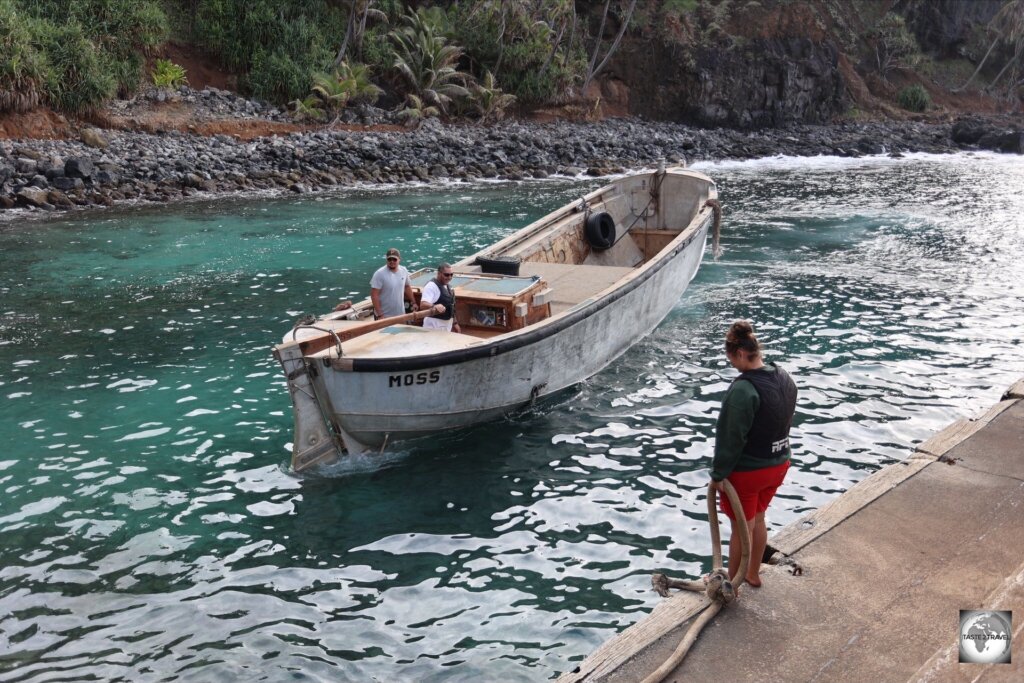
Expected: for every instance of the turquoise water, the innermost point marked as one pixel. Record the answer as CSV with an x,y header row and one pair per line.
x,y
149,529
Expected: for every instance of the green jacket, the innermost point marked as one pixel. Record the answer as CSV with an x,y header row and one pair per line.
x,y
739,406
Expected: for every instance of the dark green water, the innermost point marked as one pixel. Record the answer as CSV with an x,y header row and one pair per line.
x,y
150,531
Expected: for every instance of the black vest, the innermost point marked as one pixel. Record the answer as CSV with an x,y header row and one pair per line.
x,y
447,299
769,435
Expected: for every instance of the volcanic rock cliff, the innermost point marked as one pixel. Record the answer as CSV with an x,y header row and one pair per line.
x,y
771,63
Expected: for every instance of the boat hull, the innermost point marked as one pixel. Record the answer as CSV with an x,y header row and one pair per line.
x,y
378,407
358,385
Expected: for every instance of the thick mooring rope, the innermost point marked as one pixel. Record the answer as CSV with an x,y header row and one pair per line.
x,y
717,586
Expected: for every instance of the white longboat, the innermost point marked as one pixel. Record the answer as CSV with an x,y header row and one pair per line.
x,y
541,310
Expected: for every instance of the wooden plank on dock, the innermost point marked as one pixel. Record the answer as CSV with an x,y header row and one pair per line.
x,y
615,652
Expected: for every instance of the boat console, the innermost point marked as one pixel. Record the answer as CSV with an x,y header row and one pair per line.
x,y
488,305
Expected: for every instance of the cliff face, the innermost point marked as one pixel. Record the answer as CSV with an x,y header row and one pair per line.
x,y
765,83
943,27
770,63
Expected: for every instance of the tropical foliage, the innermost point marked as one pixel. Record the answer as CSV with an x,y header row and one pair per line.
x,y
427,62
167,74
894,46
914,98
434,57
23,67
416,110
74,55
533,47
333,92
488,99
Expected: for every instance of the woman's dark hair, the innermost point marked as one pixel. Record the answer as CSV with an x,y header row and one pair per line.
x,y
740,337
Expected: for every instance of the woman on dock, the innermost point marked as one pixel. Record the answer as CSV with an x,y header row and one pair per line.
x,y
752,441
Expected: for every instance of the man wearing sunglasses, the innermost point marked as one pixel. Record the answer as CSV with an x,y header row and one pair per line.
x,y
438,294
389,286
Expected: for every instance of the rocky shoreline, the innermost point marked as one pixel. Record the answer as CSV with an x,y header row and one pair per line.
x,y
107,167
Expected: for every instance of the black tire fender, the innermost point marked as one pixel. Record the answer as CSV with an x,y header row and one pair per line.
x,y
600,231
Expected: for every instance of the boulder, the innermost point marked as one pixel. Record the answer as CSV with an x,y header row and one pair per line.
x,y
106,178
58,198
79,167
968,131
65,184
1003,141
94,138
32,196
26,166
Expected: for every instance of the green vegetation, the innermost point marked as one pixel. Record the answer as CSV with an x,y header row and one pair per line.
x,y
276,45
489,100
914,98
427,62
23,67
894,46
167,74
74,55
430,57
415,111
332,93
680,7
534,48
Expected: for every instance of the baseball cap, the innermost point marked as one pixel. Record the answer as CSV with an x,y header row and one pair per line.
x,y
392,252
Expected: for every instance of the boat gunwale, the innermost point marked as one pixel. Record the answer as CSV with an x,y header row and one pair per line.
x,y
534,333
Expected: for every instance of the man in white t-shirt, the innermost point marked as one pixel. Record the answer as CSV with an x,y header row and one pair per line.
x,y
389,286
438,294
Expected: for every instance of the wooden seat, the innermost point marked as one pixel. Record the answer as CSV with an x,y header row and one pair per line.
x,y
572,284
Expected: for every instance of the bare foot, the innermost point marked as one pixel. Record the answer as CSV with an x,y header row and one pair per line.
x,y
755,583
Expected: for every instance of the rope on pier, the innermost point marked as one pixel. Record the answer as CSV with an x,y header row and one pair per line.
x,y
717,586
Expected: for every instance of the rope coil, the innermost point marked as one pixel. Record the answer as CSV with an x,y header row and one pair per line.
x,y
717,586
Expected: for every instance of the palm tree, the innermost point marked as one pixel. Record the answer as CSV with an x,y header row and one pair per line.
x,y
489,100
356,78
348,84
333,92
415,111
426,62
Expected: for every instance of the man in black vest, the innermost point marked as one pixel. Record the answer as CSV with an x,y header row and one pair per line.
x,y
752,441
438,294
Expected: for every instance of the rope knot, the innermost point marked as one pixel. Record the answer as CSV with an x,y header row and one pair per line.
x,y
719,587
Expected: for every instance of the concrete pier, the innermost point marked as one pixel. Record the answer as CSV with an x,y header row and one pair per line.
x,y
870,586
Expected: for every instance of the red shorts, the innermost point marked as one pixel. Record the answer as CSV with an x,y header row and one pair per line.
x,y
755,489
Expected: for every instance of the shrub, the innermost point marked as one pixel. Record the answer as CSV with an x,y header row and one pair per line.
x,y
167,74
276,76
122,31
895,47
489,100
309,109
914,98
22,66
79,79
415,111
532,46
278,45
427,62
